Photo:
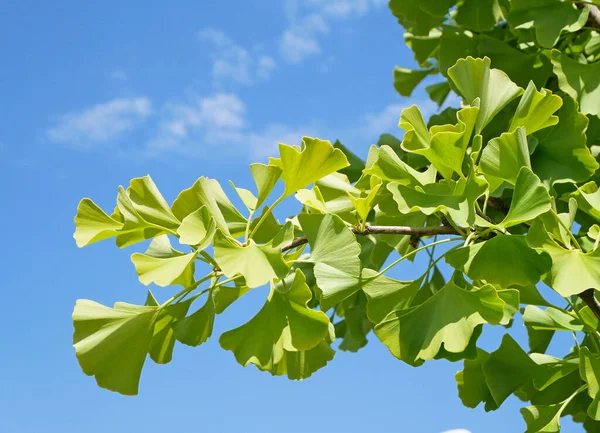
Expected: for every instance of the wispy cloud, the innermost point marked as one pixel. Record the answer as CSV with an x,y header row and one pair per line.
x,y
309,23
232,62
101,123
460,430
118,75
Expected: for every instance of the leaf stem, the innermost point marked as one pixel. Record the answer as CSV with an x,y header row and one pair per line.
x,y
413,252
567,229
265,215
590,331
186,290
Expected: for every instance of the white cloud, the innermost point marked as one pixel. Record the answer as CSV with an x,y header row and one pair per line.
x,y
460,430
206,120
100,123
232,62
308,22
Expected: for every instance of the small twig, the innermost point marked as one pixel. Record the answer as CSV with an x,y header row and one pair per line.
x,y
386,230
590,300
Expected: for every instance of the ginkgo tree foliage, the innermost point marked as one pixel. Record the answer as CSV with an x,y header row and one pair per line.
x,y
507,181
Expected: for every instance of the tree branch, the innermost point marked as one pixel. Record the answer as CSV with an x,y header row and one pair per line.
x,y
594,16
590,299
386,230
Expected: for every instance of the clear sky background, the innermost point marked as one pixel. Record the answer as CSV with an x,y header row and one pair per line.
x,y
95,93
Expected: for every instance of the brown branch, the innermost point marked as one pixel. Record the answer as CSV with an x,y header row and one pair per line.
x,y
589,298
594,15
386,230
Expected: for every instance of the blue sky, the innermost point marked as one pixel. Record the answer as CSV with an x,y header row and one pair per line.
x,y
94,94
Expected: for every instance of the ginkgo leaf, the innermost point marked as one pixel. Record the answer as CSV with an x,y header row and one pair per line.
x,y
313,161
507,369
142,213
504,260
163,265
423,47
405,80
542,418
163,335
588,199
478,15
573,271
530,199
334,251
208,192
357,165
417,17
385,294
561,154
198,228
223,296
472,387
444,145
456,198
364,205
536,110
196,328
112,343
475,80
92,224
456,43
258,264
503,157
589,370
388,166
550,319
284,325
438,92
548,17
579,81
417,335
265,177
247,197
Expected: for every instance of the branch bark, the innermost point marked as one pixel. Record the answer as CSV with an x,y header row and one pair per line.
x,y
589,298
594,16
386,230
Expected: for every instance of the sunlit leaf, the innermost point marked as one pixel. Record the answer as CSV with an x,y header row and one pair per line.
x,y
265,177
198,228
388,166
579,81
476,80
405,80
163,265
112,343
417,334
196,328
478,15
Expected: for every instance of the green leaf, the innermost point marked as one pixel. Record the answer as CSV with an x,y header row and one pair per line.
x,y
507,369
472,387
208,192
423,47
580,81
385,294
196,328
224,296
92,224
542,418
535,110
111,343
388,166
478,15
456,43
588,199
444,146
282,333
562,154
364,205
548,17
357,165
530,199
265,177
258,264
417,17
503,157
475,80
572,270
550,319
303,166
163,265
456,198
198,228
438,92
163,336
334,251
246,196
405,80
589,369
504,260
417,335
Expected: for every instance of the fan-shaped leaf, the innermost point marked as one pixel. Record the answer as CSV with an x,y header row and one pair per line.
x,y
163,265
